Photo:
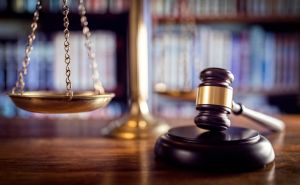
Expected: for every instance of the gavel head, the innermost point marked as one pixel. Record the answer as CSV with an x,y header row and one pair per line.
x,y
214,99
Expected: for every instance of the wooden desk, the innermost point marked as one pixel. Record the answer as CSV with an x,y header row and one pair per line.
x,y
72,152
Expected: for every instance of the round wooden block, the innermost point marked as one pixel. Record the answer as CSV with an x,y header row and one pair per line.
x,y
231,150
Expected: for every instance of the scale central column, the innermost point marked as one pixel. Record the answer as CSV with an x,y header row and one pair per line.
x,y
138,123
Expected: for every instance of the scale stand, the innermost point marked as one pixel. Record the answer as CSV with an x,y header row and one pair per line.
x,y
138,123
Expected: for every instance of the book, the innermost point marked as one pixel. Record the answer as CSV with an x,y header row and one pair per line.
x,y
2,68
11,70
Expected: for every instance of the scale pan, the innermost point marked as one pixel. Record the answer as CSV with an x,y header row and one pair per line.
x,y
55,102
177,94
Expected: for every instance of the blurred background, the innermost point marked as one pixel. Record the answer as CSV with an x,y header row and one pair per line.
x,y
258,40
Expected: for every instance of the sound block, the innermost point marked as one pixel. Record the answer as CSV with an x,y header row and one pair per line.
x,y
232,150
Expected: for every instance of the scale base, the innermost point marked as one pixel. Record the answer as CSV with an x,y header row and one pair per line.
x,y
136,124
236,149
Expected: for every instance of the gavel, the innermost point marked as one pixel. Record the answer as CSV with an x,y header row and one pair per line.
x,y
214,144
215,102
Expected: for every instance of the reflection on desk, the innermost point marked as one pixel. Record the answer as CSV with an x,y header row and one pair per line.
x,y
73,152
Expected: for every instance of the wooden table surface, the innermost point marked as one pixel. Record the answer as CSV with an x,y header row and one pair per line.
x,y
39,151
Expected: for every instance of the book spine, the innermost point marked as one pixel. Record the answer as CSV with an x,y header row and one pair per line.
x,y
59,65
269,67
49,63
2,67
235,63
74,64
279,60
257,40
11,65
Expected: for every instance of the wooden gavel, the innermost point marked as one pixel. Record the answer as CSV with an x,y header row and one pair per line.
x,y
215,102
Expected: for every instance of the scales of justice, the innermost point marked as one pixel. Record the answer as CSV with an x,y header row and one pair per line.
x,y
138,122
193,145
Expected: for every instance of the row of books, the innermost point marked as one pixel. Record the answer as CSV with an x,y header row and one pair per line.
x,y
39,72
186,8
259,60
47,67
92,6
47,70
81,73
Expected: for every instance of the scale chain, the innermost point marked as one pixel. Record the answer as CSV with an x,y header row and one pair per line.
x,y
88,44
67,48
20,84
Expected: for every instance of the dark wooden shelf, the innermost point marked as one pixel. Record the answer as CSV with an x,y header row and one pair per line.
x,y
28,15
228,19
52,22
272,92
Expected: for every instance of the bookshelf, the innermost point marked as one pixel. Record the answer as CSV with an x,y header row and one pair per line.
x,y
108,21
258,41
228,19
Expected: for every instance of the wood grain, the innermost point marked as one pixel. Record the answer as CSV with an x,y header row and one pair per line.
x,y
45,151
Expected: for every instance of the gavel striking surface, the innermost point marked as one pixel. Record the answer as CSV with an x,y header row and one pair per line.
x,y
232,150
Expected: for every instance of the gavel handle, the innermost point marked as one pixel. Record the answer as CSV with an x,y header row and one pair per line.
x,y
272,123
